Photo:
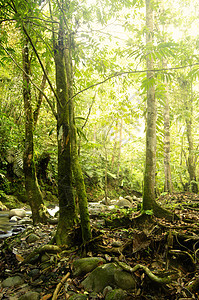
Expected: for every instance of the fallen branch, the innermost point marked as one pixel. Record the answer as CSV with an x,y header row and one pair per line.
x,y
59,286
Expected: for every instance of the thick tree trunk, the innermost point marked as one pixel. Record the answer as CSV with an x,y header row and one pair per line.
x,y
77,171
67,217
150,163
32,188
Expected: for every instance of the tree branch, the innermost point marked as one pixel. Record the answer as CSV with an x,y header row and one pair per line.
x,y
133,72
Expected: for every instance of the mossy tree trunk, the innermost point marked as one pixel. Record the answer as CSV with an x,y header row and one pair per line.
x,y
32,188
149,202
67,217
77,171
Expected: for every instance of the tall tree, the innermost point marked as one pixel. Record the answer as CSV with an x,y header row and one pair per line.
x,y
33,192
150,163
149,202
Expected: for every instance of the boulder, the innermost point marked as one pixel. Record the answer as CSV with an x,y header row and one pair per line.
x,y
124,280
18,212
108,275
12,281
85,265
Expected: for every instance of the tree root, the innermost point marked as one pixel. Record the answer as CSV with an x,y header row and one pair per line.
x,y
45,248
153,277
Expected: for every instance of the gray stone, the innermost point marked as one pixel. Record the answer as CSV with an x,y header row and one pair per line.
x,y
124,203
19,212
85,265
14,219
32,238
117,294
26,220
30,296
12,281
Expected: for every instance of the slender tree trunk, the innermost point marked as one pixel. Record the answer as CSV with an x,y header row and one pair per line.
x,y
149,202
67,217
119,148
150,163
77,171
168,187
32,188
191,166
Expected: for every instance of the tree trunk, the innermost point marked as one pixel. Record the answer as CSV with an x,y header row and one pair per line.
x,y
168,187
149,202
77,171
150,163
191,166
32,188
67,217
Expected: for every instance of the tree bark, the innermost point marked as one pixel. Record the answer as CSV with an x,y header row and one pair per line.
x,y
32,188
77,171
150,162
168,187
67,217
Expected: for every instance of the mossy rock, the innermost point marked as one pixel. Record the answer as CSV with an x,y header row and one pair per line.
x,y
85,265
108,275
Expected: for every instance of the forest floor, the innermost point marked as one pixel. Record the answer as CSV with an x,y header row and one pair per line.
x,y
166,248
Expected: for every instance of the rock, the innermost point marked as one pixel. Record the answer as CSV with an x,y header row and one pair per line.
x,y
30,296
26,220
85,265
124,280
108,275
104,202
123,203
12,281
14,219
19,212
116,244
117,294
34,273
129,198
32,238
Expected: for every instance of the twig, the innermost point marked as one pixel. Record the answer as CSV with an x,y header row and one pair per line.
x,y
59,286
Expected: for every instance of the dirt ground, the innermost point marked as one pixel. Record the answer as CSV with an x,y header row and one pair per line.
x,y
165,249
